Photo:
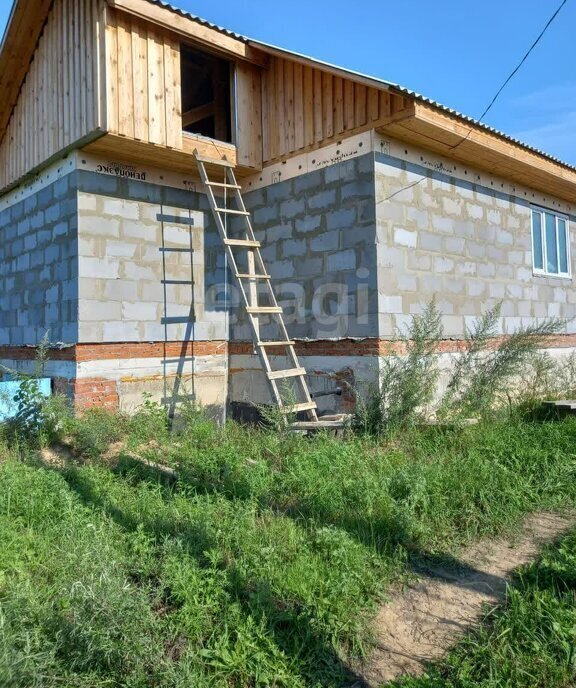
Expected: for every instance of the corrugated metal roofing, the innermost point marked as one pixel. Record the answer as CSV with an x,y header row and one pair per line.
x,y
401,89
199,20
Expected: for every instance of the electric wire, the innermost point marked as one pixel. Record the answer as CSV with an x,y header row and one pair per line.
x,y
492,101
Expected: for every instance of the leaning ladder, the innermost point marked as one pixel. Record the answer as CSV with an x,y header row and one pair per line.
x,y
248,284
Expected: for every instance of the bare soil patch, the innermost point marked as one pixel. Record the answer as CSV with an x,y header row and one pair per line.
x,y
425,619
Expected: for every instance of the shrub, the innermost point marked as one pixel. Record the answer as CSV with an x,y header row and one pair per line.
x,y
408,380
482,379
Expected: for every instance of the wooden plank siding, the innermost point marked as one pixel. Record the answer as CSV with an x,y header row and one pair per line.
x,y
143,81
58,103
304,107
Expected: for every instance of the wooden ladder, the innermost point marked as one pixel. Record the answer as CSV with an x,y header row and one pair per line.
x,y
248,282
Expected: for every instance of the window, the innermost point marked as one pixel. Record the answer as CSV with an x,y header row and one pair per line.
x,y
550,243
206,94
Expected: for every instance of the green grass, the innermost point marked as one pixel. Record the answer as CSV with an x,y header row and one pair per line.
x,y
529,642
261,565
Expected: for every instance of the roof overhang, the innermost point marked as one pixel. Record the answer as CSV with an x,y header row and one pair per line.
x,y
191,28
444,133
19,42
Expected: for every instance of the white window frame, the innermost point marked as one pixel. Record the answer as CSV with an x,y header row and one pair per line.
x,y
557,216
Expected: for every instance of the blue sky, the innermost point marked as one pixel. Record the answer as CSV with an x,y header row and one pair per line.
x,y
455,51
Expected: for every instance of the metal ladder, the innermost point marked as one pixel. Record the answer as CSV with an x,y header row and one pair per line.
x,y
248,283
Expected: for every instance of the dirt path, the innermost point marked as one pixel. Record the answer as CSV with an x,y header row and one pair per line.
x,y
422,622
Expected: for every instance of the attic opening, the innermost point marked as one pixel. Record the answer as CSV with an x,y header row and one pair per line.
x,y
206,97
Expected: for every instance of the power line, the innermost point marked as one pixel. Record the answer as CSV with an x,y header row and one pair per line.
x,y
497,94
514,71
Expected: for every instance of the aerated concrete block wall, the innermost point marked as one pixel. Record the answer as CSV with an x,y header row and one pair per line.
x,y
39,264
150,263
318,234
467,244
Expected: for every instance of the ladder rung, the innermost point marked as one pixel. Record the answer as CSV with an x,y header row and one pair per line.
x,y
306,406
251,310
222,185
176,281
215,161
229,211
283,342
247,275
242,242
291,372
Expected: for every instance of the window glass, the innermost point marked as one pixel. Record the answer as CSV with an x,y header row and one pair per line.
x,y
551,245
537,241
562,246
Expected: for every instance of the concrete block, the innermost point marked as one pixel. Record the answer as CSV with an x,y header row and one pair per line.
x,y
328,241
121,332
342,260
280,191
443,265
454,245
504,237
475,287
338,219
23,226
310,223
429,242
132,229
30,241
107,268
475,250
486,270
293,247
357,189
324,200
53,213
310,266
407,283
403,237
282,231
342,171
45,196
390,304
494,217
86,202
23,262
281,269
139,311
99,225
474,211
102,311
442,224
417,218
292,207
452,206
265,215
121,208
309,181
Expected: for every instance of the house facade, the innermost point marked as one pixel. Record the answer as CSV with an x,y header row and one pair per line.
x,y
368,200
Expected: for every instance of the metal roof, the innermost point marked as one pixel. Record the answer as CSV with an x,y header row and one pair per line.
x,y
377,81
199,20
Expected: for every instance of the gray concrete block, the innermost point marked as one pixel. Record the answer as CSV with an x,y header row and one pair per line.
x,y
310,223
293,247
292,207
343,171
342,260
280,191
265,215
309,181
357,189
327,241
339,219
323,200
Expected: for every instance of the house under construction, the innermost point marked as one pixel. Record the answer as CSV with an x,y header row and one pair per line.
x,y
192,213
